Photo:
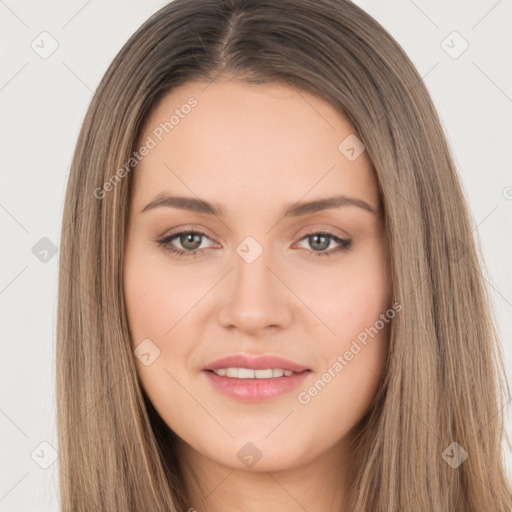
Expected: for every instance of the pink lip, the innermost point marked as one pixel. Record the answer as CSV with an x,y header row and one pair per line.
x,y
256,363
255,390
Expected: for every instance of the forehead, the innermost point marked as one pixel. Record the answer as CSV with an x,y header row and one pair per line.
x,y
271,140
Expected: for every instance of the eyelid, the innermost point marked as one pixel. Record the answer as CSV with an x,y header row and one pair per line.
x,y
186,229
321,228
306,231
342,244
164,241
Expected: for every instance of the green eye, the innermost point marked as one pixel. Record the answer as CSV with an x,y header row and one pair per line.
x,y
191,243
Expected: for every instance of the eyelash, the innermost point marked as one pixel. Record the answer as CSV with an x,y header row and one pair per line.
x,y
164,243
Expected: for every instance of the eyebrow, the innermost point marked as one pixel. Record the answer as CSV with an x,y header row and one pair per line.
x,y
295,210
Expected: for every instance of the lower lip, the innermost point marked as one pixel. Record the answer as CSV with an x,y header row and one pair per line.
x,y
256,390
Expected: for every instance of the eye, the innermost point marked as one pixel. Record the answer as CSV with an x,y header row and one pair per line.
x,y
190,242
321,240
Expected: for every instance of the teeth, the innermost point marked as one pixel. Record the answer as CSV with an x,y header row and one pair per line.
x,y
248,373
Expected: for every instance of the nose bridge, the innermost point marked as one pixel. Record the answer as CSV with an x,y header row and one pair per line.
x,y
255,297
252,272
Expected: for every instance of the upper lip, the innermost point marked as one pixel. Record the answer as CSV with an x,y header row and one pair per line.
x,y
256,363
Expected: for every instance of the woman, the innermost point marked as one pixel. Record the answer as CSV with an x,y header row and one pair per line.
x,y
325,342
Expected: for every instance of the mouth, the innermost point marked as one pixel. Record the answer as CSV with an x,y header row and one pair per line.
x,y
248,363
251,373
254,385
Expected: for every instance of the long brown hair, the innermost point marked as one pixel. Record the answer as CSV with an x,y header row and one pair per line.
x,y
443,383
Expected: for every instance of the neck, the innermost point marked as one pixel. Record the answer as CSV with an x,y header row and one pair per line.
x,y
322,484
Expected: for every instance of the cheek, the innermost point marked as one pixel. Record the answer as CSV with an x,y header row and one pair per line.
x,y
364,300
157,296
354,297
358,305
342,397
353,362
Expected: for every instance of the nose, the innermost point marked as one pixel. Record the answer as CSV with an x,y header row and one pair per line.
x,y
255,298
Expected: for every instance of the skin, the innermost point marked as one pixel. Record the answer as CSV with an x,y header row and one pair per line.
x,y
256,149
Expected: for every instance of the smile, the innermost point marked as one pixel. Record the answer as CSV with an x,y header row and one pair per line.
x,y
249,373
249,385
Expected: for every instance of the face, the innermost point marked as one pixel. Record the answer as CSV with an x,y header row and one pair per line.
x,y
255,273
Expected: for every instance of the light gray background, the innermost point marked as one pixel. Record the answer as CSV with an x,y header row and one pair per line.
x,y
43,102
